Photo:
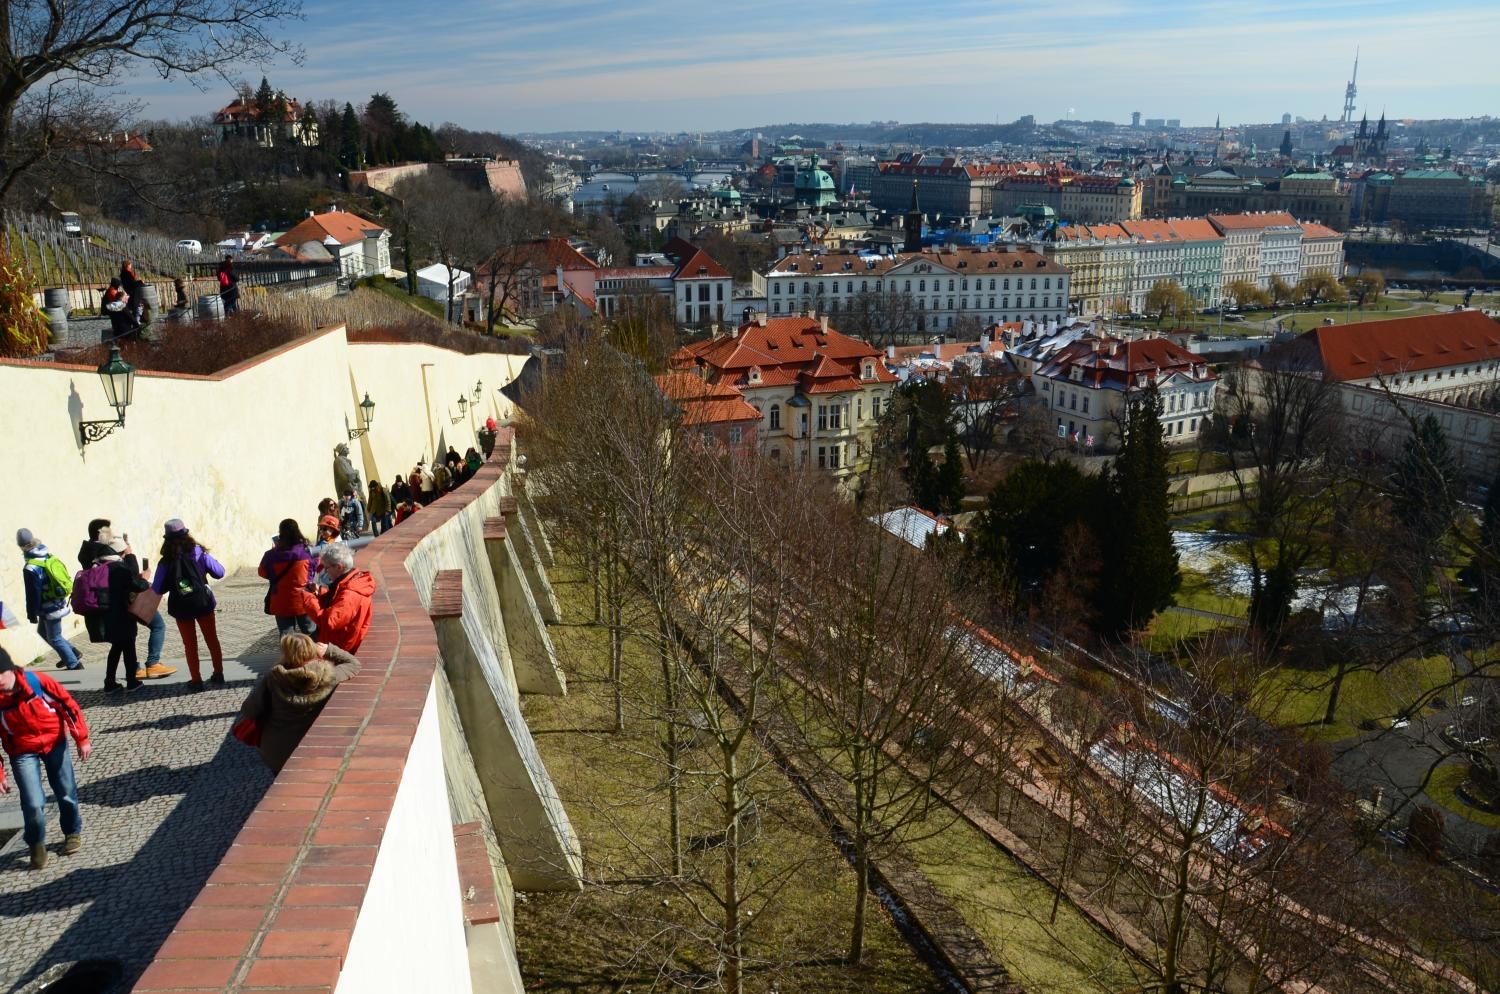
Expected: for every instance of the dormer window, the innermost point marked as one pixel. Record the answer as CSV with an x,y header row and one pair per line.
x,y
869,371
1140,379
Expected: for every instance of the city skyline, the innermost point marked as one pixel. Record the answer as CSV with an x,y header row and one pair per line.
x,y
665,66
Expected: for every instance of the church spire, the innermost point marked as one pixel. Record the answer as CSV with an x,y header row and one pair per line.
x,y
1217,125
913,241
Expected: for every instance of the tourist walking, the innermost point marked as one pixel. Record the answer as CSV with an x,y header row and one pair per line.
x,y
135,293
379,508
328,531
120,625
100,536
351,515
405,509
36,718
345,599
427,484
229,286
472,462
442,478
182,576
48,585
115,305
285,702
285,567
400,491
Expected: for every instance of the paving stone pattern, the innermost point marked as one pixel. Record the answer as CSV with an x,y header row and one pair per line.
x,y
165,793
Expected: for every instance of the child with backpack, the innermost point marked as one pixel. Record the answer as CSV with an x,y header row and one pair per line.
x,y
182,576
48,585
36,717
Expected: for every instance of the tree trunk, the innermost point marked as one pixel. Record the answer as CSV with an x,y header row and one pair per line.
x,y
1171,981
1333,691
733,941
861,895
668,654
861,841
616,646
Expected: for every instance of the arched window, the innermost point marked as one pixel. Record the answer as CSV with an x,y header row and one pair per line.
x,y
775,416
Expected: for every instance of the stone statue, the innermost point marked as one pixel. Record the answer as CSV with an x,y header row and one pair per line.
x,y
345,476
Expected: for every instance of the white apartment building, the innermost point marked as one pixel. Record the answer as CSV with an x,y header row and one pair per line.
x,y
1015,283
1271,239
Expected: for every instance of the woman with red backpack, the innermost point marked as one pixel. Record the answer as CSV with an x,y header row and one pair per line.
x,y
36,717
182,575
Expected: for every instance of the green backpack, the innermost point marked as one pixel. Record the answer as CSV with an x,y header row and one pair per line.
x,y
56,583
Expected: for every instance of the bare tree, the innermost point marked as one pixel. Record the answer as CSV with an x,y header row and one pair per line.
x,y
889,672
1284,421
443,219
55,46
984,397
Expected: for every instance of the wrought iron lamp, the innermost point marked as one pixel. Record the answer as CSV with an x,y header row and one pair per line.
x,y
118,377
366,415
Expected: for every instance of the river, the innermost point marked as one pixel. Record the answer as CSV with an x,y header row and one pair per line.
x,y
621,185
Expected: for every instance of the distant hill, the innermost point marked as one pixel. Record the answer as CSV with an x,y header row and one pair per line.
x,y
882,133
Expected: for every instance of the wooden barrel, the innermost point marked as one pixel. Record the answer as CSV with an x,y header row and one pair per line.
x,y
152,298
210,307
57,323
56,296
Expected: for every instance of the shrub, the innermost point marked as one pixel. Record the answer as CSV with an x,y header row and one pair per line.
x,y
202,348
23,329
1424,832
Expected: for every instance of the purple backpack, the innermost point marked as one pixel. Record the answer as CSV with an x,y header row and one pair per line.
x,y
91,589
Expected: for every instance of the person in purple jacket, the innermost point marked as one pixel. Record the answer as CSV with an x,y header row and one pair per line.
x,y
182,575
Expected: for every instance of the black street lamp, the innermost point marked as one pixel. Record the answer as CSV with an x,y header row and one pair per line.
x,y
366,415
478,392
118,377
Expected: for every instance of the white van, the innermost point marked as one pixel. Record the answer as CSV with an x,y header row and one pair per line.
x,y
72,224
191,245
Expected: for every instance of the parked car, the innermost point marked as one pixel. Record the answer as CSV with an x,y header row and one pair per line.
x,y
72,224
190,245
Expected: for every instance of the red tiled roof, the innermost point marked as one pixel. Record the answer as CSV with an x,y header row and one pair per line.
x,y
242,110
1400,345
703,402
1312,229
692,262
1156,358
345,228
1244,222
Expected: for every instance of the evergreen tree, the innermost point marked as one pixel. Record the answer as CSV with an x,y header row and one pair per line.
x,y
351,143
264,100
1022,532
1140,562
950,479
1422,492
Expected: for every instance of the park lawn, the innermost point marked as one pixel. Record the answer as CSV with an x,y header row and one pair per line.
x,y
1004,903
396,291
1443,786
1199,593
1009,908
615,933
1294,697
1170,629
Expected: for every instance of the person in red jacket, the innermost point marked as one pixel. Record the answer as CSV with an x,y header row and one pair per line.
x,y
345,599
36,717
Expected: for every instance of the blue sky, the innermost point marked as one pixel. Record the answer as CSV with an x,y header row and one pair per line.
x,y
521,65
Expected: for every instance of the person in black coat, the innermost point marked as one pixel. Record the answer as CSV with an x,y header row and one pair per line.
x,y
120,625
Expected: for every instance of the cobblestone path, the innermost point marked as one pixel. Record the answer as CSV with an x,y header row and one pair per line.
x,y
165,793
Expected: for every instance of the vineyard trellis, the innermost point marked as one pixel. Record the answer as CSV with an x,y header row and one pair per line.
x,y
55,258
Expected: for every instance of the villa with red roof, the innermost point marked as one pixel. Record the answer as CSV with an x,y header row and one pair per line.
x,y
242,119
1086,385
817,393
360,247
1451,358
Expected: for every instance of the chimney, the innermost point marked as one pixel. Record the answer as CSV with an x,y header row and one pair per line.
x,y
984,341
1114,346
760,320
890,352
823,321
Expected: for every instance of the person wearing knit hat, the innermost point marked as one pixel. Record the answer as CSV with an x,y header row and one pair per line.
x,y
47,581
182,575
39,716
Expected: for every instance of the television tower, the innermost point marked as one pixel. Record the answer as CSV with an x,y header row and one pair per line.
x,y
1351,91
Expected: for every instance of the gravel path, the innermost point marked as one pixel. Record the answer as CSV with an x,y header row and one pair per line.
x,y
165,793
